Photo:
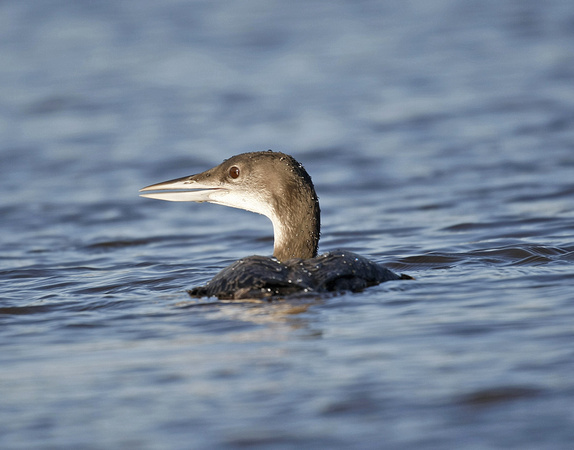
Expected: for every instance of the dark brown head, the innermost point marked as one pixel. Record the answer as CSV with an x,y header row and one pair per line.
x,y
270,183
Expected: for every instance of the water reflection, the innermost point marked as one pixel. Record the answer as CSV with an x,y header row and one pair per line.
x,y
260,311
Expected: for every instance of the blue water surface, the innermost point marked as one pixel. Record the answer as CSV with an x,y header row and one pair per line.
x,y
440,138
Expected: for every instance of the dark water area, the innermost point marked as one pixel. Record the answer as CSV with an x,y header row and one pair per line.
x,y
440,138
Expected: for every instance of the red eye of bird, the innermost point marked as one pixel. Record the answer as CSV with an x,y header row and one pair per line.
x,y
234,172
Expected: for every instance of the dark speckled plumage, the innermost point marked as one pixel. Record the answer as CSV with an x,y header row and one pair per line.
x,y
261,276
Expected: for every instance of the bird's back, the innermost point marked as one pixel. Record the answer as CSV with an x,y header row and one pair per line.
x,y
263,277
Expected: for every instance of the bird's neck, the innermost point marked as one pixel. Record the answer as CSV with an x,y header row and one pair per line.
x,y
296,238
296,225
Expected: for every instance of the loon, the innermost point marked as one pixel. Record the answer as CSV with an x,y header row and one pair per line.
x,y
276,185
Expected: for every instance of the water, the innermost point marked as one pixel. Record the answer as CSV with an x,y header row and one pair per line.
x,y
440,139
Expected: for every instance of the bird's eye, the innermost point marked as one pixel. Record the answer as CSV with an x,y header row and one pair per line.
x,y
234,172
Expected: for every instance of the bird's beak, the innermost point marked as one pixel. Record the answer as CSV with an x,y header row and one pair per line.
x,y
185,189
